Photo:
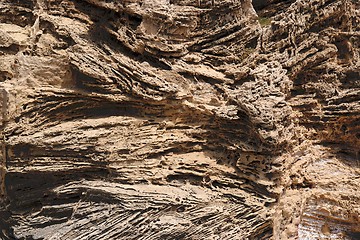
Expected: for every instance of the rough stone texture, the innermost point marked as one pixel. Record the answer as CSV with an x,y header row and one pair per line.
x,y
180,119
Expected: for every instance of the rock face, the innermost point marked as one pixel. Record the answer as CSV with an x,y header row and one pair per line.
x,y
180,119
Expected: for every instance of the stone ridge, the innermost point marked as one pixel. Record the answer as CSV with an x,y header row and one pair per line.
x,y
180,119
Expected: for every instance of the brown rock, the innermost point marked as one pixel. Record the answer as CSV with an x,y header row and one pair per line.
x,y
179,119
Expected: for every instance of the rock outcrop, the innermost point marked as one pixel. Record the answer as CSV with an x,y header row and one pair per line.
x,y
180,119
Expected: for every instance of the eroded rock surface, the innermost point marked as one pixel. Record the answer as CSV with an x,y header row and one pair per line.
x,y
180,119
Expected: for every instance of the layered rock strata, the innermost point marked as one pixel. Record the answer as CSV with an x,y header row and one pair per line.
x,y
180,119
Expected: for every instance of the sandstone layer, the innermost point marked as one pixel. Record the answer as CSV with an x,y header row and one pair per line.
x,y
180,119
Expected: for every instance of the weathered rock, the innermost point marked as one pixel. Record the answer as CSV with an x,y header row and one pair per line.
x,y
180,119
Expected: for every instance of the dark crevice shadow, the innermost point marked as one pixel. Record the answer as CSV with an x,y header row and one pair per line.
x,y
29,192
20,12
347,154
268,8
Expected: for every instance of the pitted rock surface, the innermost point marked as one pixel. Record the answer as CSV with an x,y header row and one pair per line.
x,y
180,119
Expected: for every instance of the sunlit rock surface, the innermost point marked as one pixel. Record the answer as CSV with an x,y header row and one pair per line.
x,y
180,119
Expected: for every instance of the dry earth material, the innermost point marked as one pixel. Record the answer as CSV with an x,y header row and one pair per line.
x,y
180,119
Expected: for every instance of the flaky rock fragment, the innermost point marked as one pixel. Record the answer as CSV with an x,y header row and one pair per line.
x,y
179,119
